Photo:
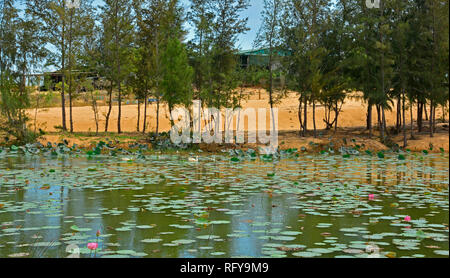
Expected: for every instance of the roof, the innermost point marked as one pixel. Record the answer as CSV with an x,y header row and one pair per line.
x,y
262,52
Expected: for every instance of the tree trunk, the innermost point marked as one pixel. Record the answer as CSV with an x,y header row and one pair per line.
x,y
412,119
109,108
95,109
138,115
383,118
117,60
383,90
237,124
70,107
431,118
378,116
37,104
369,119
96,120
70,72
271,90
157,117
398,122
300,114
63,60
145,115
172,122
404,120
419,115
305,115
145,107
434,119
336,111
157,84
119,116
314,115
435,43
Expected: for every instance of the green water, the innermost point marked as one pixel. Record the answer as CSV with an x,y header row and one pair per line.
x,y
168,206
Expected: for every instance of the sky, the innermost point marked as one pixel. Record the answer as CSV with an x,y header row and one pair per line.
x,y
254,21
253,13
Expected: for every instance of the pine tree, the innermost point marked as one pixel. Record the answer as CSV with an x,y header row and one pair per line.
x,y
158,21
53,19
201,16
304,22
176,78
117,20
21,51
269,37
80,24
226,26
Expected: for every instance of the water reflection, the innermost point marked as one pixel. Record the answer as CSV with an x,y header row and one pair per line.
x,y
259,207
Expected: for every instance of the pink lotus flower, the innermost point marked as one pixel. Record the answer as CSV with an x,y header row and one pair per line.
x,y
371,197
92,245
407,218
98,233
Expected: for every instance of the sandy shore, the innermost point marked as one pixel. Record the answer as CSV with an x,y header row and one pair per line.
x,y
352,119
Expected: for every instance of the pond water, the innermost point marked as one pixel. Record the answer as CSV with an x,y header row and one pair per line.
x,y
169,206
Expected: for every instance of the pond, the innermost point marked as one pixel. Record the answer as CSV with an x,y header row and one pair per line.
x,y
181,205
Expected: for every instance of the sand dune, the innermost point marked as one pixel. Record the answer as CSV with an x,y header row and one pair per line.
x,y
353,114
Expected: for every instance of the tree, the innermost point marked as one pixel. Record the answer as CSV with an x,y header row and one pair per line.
x,y
372,58
226,26
303,23
92,96
80,26
117,20
20,52
139,81
385,63
176,81
269,37
437,11
201,17
158,22
53,19
401,46
337,67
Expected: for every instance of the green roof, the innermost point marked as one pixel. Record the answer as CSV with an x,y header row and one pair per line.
x,y
262,52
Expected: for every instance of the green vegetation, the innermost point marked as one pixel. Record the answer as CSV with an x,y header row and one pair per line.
x,y
176,76
137,200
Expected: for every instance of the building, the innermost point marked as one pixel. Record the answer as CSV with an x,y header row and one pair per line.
x,y
52,78
260,58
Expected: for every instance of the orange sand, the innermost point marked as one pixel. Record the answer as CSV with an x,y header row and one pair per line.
x,y
353,114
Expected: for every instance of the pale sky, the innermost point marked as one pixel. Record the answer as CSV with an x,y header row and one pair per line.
x,y
253,13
